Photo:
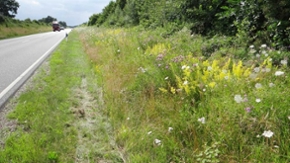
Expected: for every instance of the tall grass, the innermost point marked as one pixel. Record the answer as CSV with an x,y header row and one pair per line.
x,y
13,28
184,98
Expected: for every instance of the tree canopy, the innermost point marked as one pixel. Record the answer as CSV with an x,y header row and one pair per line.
x,y
8,8
266,20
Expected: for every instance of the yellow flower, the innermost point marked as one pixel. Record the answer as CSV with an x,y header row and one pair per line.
x,y
212,84
205,63
238,69
172,90
163,90
97,68
227,65
247,72
214,65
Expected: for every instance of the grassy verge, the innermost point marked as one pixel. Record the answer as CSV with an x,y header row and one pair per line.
x,y
59,118
178,98
184,98
13,28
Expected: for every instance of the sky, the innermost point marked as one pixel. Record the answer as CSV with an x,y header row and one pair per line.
x,y
73,12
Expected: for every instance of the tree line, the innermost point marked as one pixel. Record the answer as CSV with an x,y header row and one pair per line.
x,y
8,9
259,20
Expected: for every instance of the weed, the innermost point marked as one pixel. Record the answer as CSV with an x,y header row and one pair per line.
x,y
206,91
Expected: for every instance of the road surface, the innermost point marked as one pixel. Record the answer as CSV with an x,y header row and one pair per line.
x,y
20,57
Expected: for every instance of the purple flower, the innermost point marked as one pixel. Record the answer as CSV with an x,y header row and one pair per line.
x,y
248,109
160,57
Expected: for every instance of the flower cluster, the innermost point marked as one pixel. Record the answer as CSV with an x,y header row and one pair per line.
x,y
157,49
195,75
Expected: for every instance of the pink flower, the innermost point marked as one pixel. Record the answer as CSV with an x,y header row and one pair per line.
x,y
248,109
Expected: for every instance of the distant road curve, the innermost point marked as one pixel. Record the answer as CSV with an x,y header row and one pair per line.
x,y
20,57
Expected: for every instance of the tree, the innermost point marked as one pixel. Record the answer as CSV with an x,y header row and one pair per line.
x,y
48,19
93,19
131,12
121,3
62,23
8,8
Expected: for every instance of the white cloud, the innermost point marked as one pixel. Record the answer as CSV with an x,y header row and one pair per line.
x,y
73,12
31,2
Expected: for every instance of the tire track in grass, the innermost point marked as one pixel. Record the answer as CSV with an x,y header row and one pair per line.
x,y
95,144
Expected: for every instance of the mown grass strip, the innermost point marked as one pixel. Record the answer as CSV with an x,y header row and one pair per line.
x,y
45,132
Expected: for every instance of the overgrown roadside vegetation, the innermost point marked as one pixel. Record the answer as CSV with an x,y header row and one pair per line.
x,y
146,96
185,98
58,118
13,28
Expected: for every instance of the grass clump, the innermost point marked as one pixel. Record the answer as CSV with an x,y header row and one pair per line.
x,y
178,99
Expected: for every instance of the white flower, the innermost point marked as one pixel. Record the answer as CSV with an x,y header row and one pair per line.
x,y
118,50
279,73
289,117
142,69
128,118
253,76
238,98
138,48
157,142
263,46
258,100
253,51
242,3
170,129
185,67
268,134
149,133
252,47
265,53
268,69
284,62
257,69
258,85
271,84
166,78
209,68
185,82
201,120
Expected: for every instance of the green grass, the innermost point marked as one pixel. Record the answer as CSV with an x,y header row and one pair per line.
x,y
54,121
154,82
149,97
14,28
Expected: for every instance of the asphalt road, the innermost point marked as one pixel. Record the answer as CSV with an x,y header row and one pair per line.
x,y
20,57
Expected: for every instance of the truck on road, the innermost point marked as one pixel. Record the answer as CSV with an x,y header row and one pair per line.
x,y
55,26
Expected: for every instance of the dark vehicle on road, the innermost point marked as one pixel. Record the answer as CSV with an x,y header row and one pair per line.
x,y
55,26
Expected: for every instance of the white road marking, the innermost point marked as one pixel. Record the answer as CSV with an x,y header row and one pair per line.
x,y
7,89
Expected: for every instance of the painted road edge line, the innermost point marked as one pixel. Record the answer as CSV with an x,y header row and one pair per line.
x,y
7,89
